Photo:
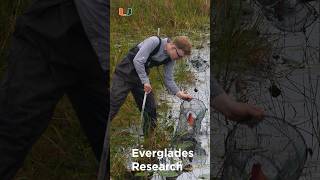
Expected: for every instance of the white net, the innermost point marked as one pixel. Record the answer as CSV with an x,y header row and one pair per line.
x,y
191,114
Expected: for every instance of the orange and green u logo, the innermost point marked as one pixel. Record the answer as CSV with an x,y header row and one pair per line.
x,y
121,12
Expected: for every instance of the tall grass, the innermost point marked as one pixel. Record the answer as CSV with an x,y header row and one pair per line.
x,y
176,17
62,152
237,45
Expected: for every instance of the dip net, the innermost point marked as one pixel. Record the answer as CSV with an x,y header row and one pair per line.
x,y
273,145
189,125
191,114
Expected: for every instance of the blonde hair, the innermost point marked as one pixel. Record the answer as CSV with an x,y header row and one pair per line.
x,y
183,43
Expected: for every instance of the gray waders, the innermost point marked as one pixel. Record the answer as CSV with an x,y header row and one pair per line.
x,y
126,79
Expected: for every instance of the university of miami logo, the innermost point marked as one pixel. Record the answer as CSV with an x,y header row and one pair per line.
x,y
128,12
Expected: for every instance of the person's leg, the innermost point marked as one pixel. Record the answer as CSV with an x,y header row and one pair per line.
x,y
91,108
92,104
28,95
118,93
150,113
89,95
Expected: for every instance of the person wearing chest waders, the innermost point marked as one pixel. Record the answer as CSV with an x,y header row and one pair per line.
x,y
131,75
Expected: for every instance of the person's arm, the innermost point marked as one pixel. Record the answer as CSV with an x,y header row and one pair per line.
x,y
141,57
170,83
235,111
169,79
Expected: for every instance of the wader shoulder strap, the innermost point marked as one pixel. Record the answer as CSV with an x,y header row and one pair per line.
x,y
135,50
156,49
149,61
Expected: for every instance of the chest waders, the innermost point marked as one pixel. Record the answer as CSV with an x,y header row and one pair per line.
x,y
125,80
126,67
128,72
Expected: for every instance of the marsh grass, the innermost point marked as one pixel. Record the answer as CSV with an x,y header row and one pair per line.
x,y
237,45
62,152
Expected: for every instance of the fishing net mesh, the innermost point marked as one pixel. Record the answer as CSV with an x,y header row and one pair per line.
x,y
191,114
272,143
289,15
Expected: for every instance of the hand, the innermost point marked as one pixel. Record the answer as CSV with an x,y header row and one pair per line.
x,y
147,88
237,111
242,111
184,95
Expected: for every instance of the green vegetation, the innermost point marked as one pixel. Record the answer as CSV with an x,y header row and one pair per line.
x,y
237,45
62,152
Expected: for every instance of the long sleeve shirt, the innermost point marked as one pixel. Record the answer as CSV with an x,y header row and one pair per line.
x,y
145,48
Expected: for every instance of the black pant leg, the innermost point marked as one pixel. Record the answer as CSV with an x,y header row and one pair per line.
x,y
118,93
91,105
28,95
92,111
150,112
90,95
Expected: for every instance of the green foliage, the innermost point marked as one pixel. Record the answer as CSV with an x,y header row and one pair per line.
x,y
62,152
237,45
168,174
183,75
